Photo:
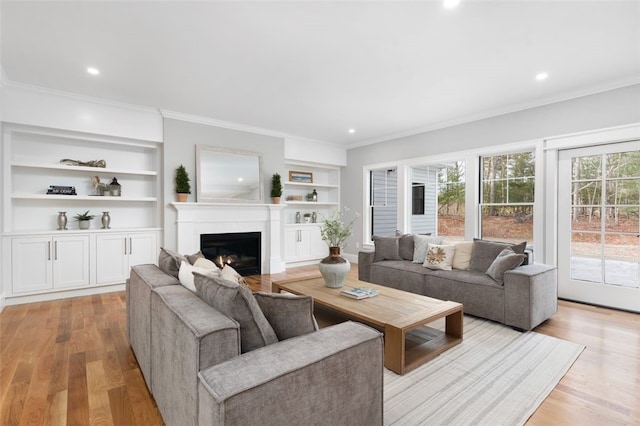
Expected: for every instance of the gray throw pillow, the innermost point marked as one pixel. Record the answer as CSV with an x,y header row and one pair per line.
x,y
387,248
169,262
237,302
288,314
485,252
195,256
405,245
506,261
420,246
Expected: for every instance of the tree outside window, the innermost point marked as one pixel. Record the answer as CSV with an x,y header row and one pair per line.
x,y
451,200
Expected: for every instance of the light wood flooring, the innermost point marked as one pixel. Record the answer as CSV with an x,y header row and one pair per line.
x,y
68,362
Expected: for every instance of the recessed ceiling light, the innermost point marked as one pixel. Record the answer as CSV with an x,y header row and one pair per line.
x,y
542,76
240,179
450,4
352,131
93,71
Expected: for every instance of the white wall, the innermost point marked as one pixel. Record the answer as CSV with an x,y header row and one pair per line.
x,y
608,109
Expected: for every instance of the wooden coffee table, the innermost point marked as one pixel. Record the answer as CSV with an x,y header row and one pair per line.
x,y
396,312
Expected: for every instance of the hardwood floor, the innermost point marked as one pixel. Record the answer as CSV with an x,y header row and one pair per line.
x,y
68,362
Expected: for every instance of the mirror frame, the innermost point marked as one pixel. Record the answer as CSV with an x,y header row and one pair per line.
x,y
202,197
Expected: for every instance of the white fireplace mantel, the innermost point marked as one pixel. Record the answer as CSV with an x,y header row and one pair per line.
x,y
194,219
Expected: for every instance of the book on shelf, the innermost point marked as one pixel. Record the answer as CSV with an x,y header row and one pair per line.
x,y
359,292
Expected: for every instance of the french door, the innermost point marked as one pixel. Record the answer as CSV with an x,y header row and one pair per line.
x,y
599,225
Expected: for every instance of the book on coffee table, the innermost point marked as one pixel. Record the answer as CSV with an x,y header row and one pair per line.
x,y
359,292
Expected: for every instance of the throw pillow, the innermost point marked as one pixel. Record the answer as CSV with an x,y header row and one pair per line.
x,y
506,260
485,252
462,256
203,262
237,302
169,261
420,245
439,257
405,245
387,248
195,256
288,314
185,275
228,273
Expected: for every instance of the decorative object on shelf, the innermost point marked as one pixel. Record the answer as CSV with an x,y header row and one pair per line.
x,y
84,219
62,221
307,218
300,177
334,268
309,196
106,220
182,185
276,188
294,197
314,195
61,190
92,163
115,188
96,185
314,217
298,218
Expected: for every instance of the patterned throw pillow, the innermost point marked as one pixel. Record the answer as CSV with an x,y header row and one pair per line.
x,y
420,245
439,257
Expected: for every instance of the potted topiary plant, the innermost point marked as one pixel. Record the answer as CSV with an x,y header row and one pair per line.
x,y
84,219
183,187
276,188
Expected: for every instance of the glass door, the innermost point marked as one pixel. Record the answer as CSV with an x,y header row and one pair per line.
x,y
599,225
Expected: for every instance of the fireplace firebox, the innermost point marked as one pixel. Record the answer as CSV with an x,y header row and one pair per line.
x,y
240,250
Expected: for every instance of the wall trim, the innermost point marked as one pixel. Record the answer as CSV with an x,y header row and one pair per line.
x,y
43,297
2,302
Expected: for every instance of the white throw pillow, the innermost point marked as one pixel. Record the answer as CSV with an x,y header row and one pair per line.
x,y
462,256
228,273
439,257
203,262
420,244
185,275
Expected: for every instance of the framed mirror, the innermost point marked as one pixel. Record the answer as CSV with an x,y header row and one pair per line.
x,y
228,175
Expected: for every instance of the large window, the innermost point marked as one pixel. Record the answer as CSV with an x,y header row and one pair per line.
x,y
384,202
451,200
506,206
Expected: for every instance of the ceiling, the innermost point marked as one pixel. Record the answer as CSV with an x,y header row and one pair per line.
x,y
316,69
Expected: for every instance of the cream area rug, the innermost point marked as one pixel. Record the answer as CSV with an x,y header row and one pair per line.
x,y
496,376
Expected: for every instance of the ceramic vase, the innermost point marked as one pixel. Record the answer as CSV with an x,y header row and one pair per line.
x,y
334,268
106,220
84,224
62,221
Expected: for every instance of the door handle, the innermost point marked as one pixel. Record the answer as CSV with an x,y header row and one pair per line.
x,y
130,246
55,250
125,245
49,251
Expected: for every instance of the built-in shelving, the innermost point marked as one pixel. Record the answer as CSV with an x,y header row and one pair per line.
x,y
91,198
94,170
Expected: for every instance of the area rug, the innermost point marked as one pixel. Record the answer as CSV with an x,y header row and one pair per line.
x,y
496,376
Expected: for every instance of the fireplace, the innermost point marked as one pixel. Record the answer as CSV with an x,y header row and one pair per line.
x,y
241,250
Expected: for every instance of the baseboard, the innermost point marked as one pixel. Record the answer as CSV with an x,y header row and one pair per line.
x,y
2,301
18,300
353,258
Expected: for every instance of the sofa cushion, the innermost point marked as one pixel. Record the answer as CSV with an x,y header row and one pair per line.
x,y
462,255
203,262
485,252
195,256
405,245
237,302
169,261
420,245
185,275
288,314
439,257
506,260
387,248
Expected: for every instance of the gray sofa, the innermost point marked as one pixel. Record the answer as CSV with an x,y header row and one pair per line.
x,y
528,296
190,356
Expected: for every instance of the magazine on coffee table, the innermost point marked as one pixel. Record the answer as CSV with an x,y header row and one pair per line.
x,y
359,292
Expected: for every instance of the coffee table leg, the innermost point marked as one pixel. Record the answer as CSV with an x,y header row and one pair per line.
x,y
453,324
394,345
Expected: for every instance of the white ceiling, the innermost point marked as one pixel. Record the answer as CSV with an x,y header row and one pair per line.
x,y
316,69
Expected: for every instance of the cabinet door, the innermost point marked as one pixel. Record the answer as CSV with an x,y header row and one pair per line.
x,y
319,248
306,243
31,264
70,261
112,261
142,249
291,237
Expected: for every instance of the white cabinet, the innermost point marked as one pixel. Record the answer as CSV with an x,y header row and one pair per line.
x,y
43,263
117,253
303,243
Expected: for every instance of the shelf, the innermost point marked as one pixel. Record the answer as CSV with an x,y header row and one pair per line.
x,y
84,169
72,231
80,198
310,185
310,203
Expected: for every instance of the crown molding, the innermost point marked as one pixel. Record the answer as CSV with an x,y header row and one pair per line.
x,y
564,96
207,121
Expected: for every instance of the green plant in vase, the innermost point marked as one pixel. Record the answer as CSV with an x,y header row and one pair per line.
x,y
276,188
182,185
334,231
84,219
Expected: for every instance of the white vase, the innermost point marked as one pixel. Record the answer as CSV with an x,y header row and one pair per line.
x,y
334,268
84,224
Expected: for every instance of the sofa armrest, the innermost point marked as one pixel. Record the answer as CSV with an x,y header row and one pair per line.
x,y
530,295
187,335
365,259
332,376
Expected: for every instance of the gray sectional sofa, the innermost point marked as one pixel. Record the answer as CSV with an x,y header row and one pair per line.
x,y
527,296
191,358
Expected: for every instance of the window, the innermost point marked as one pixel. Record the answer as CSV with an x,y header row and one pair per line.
x,y
384,202
417,199
506,206
451,200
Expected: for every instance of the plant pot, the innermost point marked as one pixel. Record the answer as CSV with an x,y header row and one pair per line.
x,y
276,200
182,197
334,268
84,224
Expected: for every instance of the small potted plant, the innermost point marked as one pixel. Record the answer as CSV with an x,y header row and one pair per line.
x,y
183,187
276,188
84,219
307,218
